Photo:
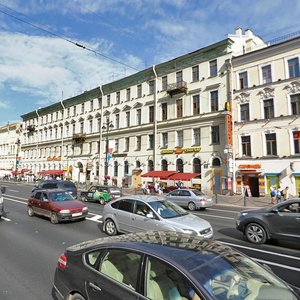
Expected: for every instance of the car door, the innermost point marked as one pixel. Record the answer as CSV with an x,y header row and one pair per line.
x,y
123,215
174,196
45,205
184,198
35,202
90,193
286,223
115,276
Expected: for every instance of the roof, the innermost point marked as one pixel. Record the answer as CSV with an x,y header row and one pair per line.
x,y
160,174
183,176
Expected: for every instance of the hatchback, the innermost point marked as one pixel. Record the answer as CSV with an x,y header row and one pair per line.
x,y
281,221
58,205
66,185
162,265
190,198
142,212
101,193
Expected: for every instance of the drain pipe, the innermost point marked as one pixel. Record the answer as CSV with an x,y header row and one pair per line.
x,y
100,133
155,118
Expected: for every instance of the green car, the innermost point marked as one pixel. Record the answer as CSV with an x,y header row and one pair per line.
x,y
96,194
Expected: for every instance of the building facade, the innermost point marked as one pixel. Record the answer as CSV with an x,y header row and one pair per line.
x,y
266,107
171,116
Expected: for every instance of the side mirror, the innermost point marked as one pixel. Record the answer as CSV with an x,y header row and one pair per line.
x,y
275,210
3,189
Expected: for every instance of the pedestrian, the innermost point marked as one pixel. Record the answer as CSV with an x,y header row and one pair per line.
x,y
145,188
273,194
285,193
160,188
278,195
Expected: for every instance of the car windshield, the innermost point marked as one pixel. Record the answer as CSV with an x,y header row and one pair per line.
x,y
68,185
60,196
167,209
198,193
236,277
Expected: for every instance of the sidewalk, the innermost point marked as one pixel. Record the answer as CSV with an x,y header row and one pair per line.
x,y
235,200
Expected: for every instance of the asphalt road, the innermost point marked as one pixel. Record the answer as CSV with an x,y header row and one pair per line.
x,y
30,246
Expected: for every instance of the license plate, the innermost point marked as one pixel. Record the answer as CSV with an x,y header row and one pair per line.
x,y
77,214
208,200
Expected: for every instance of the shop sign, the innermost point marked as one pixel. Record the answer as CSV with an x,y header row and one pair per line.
x,y
250,166
190,150
54,158
119,154
180,150
166,151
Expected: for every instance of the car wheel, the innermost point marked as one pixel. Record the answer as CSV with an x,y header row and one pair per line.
x,y
102,201
76,297
110,227
30,211
255,233
53,218
191,206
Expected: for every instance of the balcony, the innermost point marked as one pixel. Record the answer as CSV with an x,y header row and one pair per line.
x,y
79,137
177,88
30,128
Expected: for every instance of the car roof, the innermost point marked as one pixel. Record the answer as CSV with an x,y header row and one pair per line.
x,y
145,198
173,247
50,191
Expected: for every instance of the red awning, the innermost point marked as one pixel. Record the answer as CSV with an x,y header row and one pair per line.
x,y
160,174
183,176
51,172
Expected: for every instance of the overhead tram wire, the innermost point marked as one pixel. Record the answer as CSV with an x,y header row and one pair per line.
x,y
67,40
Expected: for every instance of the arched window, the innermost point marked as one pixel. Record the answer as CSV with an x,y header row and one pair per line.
x,y
126,168
196,165
150,165
216,162
164,165
137,164
179,165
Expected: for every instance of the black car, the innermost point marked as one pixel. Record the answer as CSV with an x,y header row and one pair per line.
x,y
66,185
101,193
162,265
2,191
281,221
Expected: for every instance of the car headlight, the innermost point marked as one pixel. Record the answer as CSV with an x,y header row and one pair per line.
x,y
188,231
65,211
242,214
85,209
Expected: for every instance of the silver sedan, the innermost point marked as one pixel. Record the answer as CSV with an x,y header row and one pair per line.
x,y
190,198
142,213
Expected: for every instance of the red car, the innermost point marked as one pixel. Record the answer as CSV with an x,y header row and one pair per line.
x,y
58,205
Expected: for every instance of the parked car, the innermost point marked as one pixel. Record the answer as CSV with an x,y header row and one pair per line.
x,y
2,191
281,221
191,198
142,212
58,205
101,193
163,265
66,185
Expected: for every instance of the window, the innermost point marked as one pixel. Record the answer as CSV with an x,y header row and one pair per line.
x,y
214,101
266,74
138,143
195,73
118,98
179,165
99,124
99,102
244,109
82,108
296,137
179,78
91,126
164,111
116,167
215,135
293,65
164,165
108,100
243,80
151,87
271,144
179,136
213,69
295,103
126,167
196,136
151,141
151,114
128,94
81,127
196,105
196,165
179,108
138,116
246,146
139,91
68,112
91,105
116,145
164,139
126,144
117,121
150,165
127,119
164,83
268,109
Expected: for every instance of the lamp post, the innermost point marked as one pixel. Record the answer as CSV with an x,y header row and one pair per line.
x,y
106,126
18,142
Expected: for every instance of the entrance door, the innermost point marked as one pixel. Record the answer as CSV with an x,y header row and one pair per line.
x,y
216,183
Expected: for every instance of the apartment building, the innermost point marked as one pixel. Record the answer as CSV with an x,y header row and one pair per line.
x,y
266,107
170,117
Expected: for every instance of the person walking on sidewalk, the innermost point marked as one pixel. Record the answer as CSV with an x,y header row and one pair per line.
x,y
278,195
273,194
285,193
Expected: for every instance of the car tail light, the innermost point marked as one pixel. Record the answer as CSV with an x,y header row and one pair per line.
x,y
202,199
62,261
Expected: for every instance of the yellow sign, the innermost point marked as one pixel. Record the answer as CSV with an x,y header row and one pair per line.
x,y
180,150
250,166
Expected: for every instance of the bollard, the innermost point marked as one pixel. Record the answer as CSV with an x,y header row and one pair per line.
x,y
216,196
245,199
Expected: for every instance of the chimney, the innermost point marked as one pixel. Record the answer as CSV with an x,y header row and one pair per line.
x,y
238,31
249,33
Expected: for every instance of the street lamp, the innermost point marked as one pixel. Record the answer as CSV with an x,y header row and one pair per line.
x,y
18,142
107,126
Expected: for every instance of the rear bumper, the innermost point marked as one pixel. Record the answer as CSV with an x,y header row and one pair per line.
x,y
205,204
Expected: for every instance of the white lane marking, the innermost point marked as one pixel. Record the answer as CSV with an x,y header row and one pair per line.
x,y
14,200
95,219
260,250
276,264
15,191
214,216
6,219
222,210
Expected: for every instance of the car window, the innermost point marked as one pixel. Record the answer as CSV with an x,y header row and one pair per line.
x,y
122,266
91,258
162,281
141,208
198,193
174,193
38,195
92,189
126,205
184,193
167,209
290,208
60,196
49,185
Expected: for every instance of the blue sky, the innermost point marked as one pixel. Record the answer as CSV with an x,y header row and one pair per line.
x,y
39,67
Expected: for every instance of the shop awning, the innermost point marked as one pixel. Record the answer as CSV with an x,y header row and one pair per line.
x,y
183,176
51,172
160,174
